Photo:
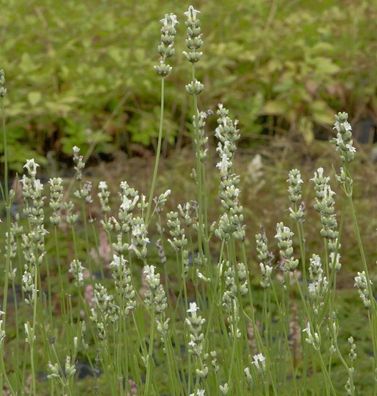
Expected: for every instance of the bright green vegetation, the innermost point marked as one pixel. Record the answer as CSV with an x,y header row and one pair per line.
x,y
157,297
279,65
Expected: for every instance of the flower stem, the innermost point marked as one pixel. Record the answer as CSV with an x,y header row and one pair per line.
x,y
158,153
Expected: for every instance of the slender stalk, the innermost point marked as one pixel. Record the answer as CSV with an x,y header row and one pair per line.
x,y
57,255
158,152
5,191
5,151
199,169
32,357
150,357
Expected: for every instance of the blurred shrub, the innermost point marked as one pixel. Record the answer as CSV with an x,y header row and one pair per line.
x,y
82,71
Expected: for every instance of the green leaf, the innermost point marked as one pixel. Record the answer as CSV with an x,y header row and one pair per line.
x,y
34,98
274,107
325,66
322,114
306,129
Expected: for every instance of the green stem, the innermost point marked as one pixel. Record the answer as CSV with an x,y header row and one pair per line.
x,y
150,353
5,150
158,153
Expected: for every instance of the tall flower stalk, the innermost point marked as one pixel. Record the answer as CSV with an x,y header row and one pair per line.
x,y
194,43
344,146
163,69
5,195
3,92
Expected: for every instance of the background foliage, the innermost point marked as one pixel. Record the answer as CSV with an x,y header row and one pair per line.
x,y
82,71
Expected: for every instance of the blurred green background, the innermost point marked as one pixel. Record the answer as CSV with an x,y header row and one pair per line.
x,y
82,71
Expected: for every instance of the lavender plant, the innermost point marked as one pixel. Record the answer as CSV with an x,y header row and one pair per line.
x,y
268,327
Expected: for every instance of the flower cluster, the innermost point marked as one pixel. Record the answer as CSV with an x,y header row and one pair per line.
x,y
3,90
161,200
2,330
166,46
295,195
194,39
350,387
363,285
233,289
312,337
200,139
284,237
325,205
139,238
79,163
77,270
231,222
196,345
227,134
194,42
84,192
258,362
188,212
265,258
343,139
33,242
129,198
104,196
318,285
56,199
178,238
155,296
104,310
71,217
123,283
